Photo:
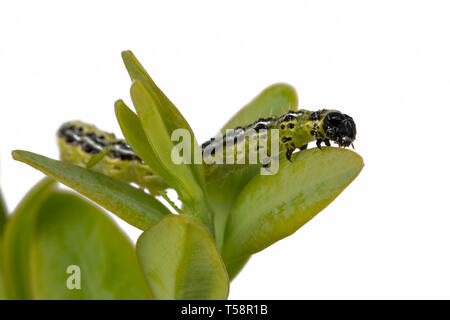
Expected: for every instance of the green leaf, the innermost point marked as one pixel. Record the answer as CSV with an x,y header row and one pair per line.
x,y
128,203
17,241
74,238
134,134
97,158
3,295
179,176
181,261
225,182
170,115
272,207
3,218
271,102
222,193
234,267
3,213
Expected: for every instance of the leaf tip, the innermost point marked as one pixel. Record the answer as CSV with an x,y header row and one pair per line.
x,y
285,89
16,154
126,53
358,158
118,105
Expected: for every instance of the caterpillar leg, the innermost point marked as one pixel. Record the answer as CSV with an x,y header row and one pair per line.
x,y
289,152
318,143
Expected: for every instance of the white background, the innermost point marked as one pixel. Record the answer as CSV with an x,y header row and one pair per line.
x,y
385,63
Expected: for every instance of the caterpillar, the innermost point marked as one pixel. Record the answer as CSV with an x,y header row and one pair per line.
x,y
80,143
296,129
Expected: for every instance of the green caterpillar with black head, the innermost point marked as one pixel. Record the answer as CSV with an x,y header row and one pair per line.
x,y
80,142
296,129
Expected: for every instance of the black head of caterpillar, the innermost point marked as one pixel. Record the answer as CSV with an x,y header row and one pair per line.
x,y
331,125
340,128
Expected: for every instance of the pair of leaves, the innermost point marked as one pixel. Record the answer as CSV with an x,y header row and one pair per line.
x,y
52,230
178,256
149,133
